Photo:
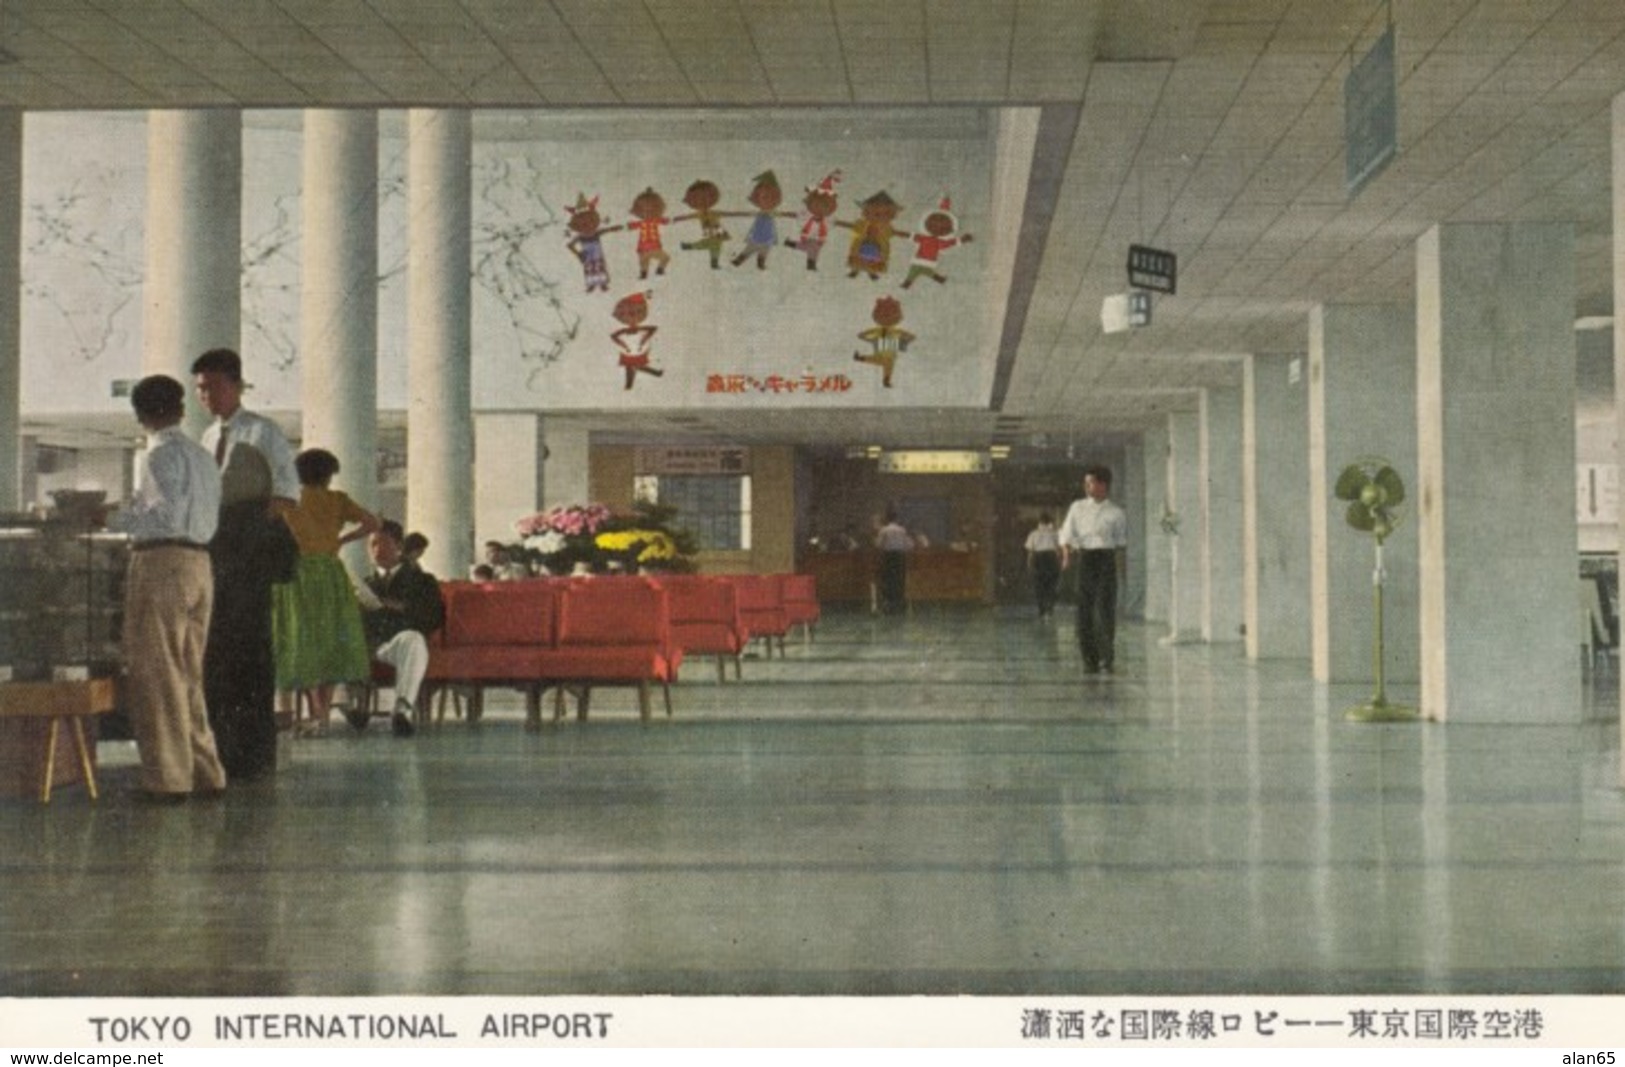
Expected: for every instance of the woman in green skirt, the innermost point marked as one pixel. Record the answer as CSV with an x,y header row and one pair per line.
x,y
315,618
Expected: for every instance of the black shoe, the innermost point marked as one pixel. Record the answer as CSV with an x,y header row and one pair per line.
x,y
401,721
357,718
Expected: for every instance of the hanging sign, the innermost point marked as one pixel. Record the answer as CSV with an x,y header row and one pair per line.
x,y
1152,268
1370,115
692,460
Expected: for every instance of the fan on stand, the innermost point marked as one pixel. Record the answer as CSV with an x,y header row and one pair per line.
x,y
1374,492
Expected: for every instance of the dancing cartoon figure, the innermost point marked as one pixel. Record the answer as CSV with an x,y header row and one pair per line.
x,y
813,222
765,196
649,209
870,252
586,242
702,197
936,235
634,338
886,338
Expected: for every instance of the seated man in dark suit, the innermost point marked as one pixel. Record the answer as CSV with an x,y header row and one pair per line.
x,y
401,607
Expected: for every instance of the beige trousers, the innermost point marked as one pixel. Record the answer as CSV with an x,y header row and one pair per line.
x,y
167,600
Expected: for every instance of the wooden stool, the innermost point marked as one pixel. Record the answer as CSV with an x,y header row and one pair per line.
x,y
55,701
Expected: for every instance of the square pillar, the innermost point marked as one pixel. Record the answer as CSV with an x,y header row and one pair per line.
x,y
1495,415
1362,402
1275,524
1185,494
1219,414
508,451
1157,502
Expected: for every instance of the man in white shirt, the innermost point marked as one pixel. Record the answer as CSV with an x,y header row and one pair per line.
x,y
1095,531
168,598
252,550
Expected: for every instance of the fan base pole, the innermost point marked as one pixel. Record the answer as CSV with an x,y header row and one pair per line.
x,y
1381,711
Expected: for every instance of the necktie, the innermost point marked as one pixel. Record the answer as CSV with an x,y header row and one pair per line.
x,y
220,448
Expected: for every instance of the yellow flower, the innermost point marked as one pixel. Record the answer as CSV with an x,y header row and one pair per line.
x,y
656,545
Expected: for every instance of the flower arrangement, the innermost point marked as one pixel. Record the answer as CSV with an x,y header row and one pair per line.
x,y
592,537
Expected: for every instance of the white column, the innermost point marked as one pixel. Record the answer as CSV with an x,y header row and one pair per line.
x,y
11,383
1219,418
1158,545
1185,492
338,310
508,452
566,473
440,433
1619,341
1495,417
1275,523
194,268
1131,491
1362,402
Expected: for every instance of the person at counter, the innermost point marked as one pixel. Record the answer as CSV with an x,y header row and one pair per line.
x,y
168,598
894,543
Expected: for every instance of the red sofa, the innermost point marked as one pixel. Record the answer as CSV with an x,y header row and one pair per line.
x,y
801,601
556,633
705,619
761,607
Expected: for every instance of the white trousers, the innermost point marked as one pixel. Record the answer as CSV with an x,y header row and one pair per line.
x,y
408,653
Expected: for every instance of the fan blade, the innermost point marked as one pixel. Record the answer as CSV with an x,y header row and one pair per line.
x,y
1350,482
1360,517
1392,484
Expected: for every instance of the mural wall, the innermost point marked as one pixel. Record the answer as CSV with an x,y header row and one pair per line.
x,y
671,261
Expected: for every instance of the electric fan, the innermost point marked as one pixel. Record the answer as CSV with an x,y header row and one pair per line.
x,y
1374,491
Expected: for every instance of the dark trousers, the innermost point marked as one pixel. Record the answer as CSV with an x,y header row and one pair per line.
x,y
893,580
250,553
1097,606
1046,579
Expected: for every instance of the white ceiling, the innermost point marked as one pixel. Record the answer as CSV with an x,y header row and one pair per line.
x,y
1213,129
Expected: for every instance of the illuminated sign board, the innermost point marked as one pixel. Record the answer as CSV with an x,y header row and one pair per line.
x,y
936,461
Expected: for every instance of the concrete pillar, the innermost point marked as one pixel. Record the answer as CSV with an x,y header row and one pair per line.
x,y
1619,341
338,310
194,262
1219,428
1275,523
1158,545
1185,493
1495,416
1362,402
11,382
508,461
1131,492
439,423
566,467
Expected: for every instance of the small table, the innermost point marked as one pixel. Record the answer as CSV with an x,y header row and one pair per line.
x,y
55,701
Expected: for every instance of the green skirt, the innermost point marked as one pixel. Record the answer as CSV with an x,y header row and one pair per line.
x,y
316,625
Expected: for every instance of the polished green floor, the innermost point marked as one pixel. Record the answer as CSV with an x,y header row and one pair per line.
x,y
938,804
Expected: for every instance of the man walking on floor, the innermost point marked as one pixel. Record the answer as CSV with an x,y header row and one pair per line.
x,y
1096,532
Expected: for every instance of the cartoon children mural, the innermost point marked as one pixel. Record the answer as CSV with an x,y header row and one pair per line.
x,y
870,252
649,209
886,338
634,338
813,222
766,196
587,242
703,197
939,234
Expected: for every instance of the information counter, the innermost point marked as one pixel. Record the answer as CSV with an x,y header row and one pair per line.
x,y
935,575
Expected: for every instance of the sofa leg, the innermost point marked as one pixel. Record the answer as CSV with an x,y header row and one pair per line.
x,y
582,699
739,667
665,688
722,671
533,707
644,709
